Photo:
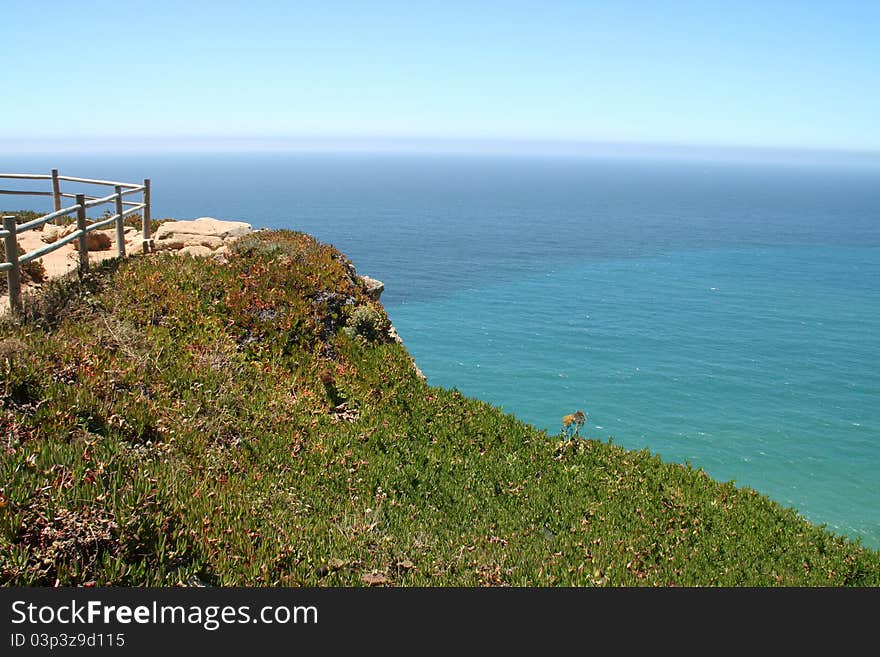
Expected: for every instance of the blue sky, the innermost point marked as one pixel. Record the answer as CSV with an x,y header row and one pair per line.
x,y
787,74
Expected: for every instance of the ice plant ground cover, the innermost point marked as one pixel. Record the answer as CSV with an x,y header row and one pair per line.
x,y
170,420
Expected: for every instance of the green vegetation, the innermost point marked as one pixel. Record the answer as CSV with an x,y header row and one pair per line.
x,y
172,418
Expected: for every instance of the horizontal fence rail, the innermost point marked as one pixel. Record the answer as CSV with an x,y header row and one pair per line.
x,y
11,229
26,176
91,198
90,181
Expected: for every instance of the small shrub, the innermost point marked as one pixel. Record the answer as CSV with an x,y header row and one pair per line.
x,y
253,245
66,296
368,323
571,424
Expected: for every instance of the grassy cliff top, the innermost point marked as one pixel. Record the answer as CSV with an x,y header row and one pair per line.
x,y
248,422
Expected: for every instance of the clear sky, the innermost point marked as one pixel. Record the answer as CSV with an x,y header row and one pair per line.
x,y
793,74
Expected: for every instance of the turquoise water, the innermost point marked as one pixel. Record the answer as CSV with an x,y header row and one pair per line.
x,y
742,361
722,314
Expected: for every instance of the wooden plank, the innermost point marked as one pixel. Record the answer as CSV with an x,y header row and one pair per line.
x,y
39,221
82,249
19,192
13,274
25,176
146,223
92,198
133,210
99,201
120,225
100,224
90,181
133,190
56,189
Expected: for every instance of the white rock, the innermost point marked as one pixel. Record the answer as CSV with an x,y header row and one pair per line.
x,y
139,245
374,287
203,240
203,226
51,233
195,251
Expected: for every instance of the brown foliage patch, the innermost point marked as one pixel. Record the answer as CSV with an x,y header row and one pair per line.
x,y
75,537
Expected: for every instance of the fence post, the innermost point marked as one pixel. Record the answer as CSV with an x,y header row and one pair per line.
x,y
56,191
120,227
145,223
82,247
13,275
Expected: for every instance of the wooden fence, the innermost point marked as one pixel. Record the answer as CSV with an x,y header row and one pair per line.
x,y
11,229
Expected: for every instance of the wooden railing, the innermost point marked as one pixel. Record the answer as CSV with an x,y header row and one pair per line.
x,y
11,229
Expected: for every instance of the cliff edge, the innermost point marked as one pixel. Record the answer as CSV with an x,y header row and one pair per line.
x,y
251,420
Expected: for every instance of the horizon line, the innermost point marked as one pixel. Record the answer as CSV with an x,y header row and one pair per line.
x,y
426,145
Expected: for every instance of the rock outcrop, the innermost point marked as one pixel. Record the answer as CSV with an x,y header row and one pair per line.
x,y
96,241
202,236
196,250
50,233
374,287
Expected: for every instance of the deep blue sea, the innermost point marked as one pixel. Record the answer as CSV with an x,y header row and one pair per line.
x,y
727,315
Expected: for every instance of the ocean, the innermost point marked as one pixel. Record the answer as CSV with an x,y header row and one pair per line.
x,y
721,314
